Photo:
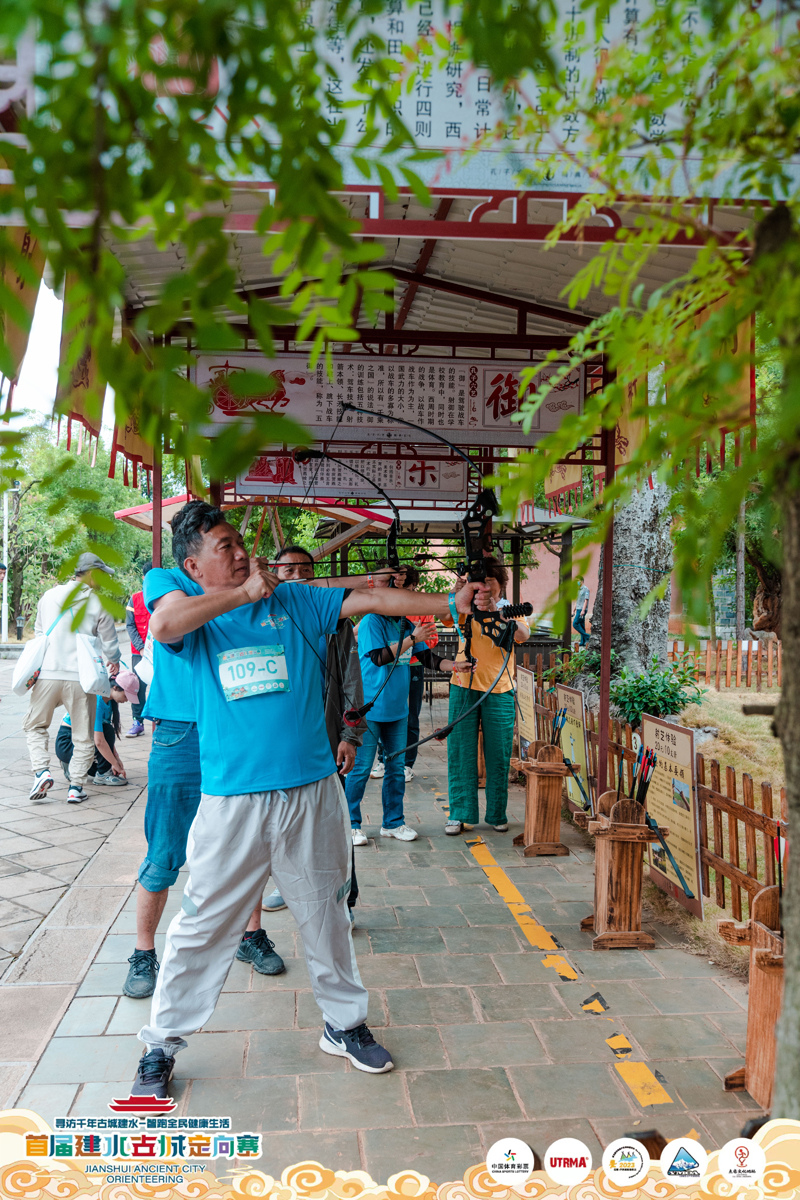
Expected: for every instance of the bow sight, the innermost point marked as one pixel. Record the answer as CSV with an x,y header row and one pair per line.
x,y
476,527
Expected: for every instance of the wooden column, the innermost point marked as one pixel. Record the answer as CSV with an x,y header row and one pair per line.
x,y
215,493
516,571
564,579
157,497
605,628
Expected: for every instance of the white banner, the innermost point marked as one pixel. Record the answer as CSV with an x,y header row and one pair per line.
x,y
277,474
468,401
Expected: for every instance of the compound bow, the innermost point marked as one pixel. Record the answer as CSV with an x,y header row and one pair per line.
x,y
476,531
354,716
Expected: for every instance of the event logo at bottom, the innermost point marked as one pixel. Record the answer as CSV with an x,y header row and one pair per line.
x,y
742,1161
626,1162
684,1159
568,1161
510,1161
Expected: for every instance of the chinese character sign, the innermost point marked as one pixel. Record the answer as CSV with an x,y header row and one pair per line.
x,y
672,801
275,473
467,401
526,695
573,740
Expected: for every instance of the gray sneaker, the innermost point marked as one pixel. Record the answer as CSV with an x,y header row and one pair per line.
x,y
109,779
141,979
274,902
153,1074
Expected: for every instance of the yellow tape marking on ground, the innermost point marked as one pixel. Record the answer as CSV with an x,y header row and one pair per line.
x,y
643,1083
620,1045
481,853
564,970
519,908
536,934
595,1004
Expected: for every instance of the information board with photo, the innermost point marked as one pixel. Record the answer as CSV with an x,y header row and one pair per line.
x,y
672,801
574,742
526,711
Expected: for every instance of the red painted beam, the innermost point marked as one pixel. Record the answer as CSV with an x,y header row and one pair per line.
x,y
406,337
486,231
422,262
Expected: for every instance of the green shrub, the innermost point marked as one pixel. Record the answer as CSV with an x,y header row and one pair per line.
x,y
660,691
581,662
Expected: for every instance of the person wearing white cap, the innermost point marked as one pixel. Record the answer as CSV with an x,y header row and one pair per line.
x,y
59,681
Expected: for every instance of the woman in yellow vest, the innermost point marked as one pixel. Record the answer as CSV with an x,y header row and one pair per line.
x,y
495,716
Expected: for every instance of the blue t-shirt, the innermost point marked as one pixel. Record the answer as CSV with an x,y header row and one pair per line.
x,y
274,736
169,696
373,633
102,715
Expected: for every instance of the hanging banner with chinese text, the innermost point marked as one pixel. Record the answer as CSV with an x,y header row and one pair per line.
x,y
25,290
561,480
84,378
672,802
573,741
468,401
423,478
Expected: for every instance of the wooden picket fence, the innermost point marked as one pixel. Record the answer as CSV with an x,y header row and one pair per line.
x,y
736,833
729,664
738,828
734,664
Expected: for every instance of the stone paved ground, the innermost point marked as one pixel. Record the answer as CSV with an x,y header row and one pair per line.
x,y
488,1039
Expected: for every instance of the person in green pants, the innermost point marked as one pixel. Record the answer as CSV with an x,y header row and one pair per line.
x,y
495,716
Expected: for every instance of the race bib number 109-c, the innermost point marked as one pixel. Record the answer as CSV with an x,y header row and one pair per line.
x,y
253,671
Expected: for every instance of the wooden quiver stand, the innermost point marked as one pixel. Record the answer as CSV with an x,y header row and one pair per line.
x,y
544,772
761,934
620,837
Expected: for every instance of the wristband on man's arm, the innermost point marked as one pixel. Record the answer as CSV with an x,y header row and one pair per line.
x,y
451,600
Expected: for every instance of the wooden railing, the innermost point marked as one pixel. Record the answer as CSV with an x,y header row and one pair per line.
x,y
737,828
724,664
734,664
539,665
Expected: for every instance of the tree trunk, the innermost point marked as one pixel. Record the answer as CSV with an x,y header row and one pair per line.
x,y
776,267
17,565
786,1102
642,558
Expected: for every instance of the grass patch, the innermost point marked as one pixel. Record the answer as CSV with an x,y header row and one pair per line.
x,y
744,743
700,937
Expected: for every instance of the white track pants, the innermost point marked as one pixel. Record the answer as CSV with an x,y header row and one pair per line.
x,y
299,836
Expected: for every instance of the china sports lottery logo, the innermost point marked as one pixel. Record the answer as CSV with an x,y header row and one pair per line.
x,y
510,1161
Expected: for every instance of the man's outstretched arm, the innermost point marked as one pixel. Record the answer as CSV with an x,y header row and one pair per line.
x,y
396,602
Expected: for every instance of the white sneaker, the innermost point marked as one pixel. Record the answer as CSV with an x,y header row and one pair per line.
x,y
359,838
402,833
377,771
42,783
409,774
